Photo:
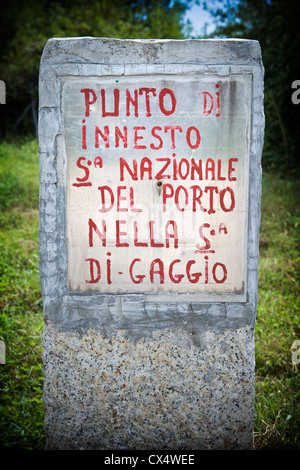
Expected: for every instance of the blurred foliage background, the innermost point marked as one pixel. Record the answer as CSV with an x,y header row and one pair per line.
x,y
275,24
24,29
26,26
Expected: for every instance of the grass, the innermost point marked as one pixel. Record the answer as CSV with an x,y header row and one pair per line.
x,y
277,405
21,321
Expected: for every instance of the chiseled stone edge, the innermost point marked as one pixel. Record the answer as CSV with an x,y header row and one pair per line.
x,y
107,51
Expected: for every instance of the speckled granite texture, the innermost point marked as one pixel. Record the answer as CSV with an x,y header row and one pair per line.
x,y
164,393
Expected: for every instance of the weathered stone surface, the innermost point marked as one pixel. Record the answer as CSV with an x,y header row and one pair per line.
x,y
168,392
138,370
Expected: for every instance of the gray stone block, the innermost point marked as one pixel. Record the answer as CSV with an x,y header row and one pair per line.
x,y
127,369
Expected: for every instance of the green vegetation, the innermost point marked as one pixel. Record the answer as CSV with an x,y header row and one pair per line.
x,y
278,320
21,322
25,28
277,407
